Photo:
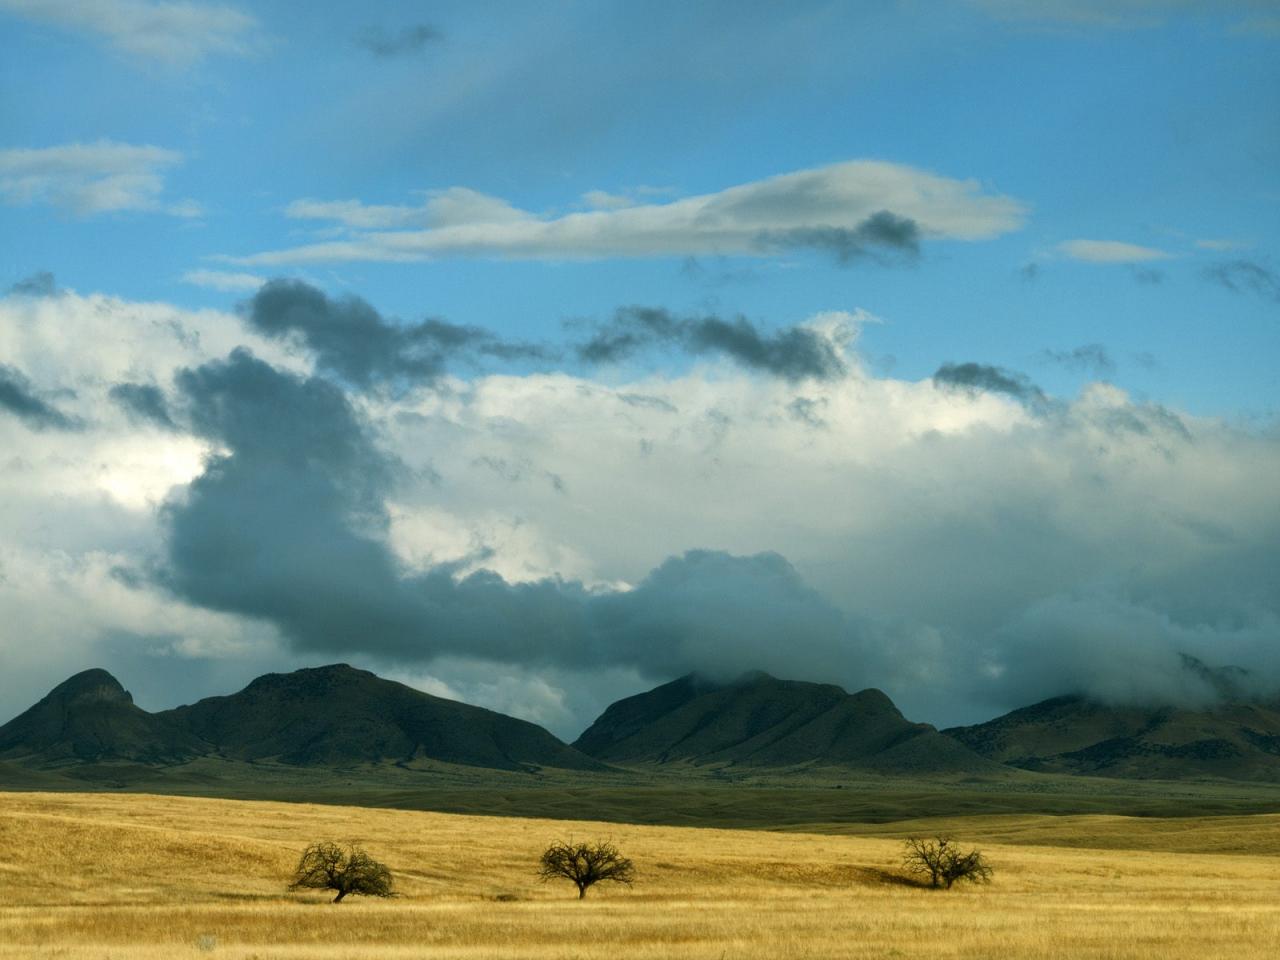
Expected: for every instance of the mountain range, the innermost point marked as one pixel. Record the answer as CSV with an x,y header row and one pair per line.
x,y
339,718
334,716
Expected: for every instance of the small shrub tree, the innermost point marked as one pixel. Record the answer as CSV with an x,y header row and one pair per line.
x,y
943,863
585,864
330,866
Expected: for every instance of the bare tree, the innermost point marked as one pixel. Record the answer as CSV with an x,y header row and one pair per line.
x,y
585,864
330,866
943,862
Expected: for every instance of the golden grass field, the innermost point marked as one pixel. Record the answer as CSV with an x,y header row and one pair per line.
x,y
134,876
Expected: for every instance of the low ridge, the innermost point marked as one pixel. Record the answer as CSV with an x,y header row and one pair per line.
x,y
760,720
1237,740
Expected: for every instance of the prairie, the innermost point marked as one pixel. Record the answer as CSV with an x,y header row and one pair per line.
x,y
138,876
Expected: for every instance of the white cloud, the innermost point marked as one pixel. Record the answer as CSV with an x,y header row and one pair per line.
x,y
223,280
753,219
177,34
442,208
92,178
1110,251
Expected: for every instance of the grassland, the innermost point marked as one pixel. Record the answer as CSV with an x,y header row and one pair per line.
x,y
135,876
804,799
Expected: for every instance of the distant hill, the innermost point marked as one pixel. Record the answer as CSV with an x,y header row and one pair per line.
x,y
1236,740
91,717
759,720
334,716
338,715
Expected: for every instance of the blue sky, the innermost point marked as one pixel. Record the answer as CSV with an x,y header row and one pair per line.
x,y
1086,195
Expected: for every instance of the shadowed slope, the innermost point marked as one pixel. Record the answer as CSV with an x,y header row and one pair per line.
x,y
760,720
91,717
1239,741
338,715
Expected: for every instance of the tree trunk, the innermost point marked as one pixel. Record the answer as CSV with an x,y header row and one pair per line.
x,y
338,898
582,890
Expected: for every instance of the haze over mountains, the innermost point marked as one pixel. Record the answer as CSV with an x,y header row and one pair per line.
x,y
340,718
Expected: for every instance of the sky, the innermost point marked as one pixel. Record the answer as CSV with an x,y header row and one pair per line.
x,y
534,354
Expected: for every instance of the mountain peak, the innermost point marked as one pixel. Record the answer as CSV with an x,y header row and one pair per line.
x,y
88,686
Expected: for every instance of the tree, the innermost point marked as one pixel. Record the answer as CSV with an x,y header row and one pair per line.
x,y
943,862
585,864
330,866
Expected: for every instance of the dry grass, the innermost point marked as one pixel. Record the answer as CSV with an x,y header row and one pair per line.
x,y
91,876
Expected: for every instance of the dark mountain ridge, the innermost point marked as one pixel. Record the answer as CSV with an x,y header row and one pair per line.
x,y
332,716
1235,740
91,717
759,720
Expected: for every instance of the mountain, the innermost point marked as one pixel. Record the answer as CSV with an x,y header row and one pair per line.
x,y
91,717
334,716
1237,740
338,715
759,720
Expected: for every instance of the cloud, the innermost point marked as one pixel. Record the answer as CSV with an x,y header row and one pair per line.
x,y
882,237
288,526
406,41
224,281
144,402
86,179
1245,276
453,207
1000,517
981,377
815,350
19,397
352,340
1110,251
1116,651
957,545
1090,358
40,284
853,209
175,34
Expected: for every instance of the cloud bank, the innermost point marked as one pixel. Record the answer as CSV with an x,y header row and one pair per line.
x,y
953,540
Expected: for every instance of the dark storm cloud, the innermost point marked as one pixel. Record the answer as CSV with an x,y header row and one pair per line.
x,y
406,41
1245,276
984,378
19,397
882,237
350,339
287,526
1090,358
144,403
40,284
793,353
